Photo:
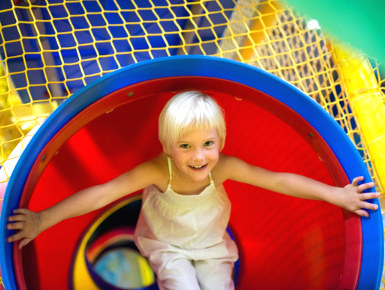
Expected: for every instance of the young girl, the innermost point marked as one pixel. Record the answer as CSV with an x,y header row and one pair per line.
x,y
185,211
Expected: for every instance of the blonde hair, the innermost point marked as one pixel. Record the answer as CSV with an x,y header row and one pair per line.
x,y
187,112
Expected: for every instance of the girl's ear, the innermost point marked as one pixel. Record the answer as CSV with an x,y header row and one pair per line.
x,y
221,146
166,151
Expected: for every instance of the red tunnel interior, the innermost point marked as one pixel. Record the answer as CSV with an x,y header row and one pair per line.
x,y
283,241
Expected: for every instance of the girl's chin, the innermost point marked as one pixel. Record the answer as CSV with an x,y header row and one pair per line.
x,y
198,174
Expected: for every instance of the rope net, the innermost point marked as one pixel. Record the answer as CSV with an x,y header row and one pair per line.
x,y
50,49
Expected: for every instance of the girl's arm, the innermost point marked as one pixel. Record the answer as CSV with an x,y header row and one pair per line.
x,y
29,224
349,197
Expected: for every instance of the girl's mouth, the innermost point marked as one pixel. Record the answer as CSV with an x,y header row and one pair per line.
x,y
197,167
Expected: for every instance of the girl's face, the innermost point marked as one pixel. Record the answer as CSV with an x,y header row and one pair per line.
x,y
195,154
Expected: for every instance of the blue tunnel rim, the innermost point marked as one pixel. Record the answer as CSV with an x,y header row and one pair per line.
x,y
204,66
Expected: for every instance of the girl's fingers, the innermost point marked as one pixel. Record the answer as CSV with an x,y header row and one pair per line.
x,y
15,237
24,242
356,180
368,205
365,186
17,218
362,212
372,206
369,195
15,226
20,211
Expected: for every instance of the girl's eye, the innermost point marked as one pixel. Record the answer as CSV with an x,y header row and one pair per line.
x,y
209,143
184,146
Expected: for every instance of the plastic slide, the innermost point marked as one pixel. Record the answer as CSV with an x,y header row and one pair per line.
x,y
110,126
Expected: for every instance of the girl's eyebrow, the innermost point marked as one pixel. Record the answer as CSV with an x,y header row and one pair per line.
x,y
208,138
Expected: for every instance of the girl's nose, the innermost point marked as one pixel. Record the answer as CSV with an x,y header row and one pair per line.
x,y
198,154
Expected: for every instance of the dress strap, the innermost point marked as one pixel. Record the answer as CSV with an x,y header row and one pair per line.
x,y
169,170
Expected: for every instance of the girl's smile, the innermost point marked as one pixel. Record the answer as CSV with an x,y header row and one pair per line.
x,y
197,167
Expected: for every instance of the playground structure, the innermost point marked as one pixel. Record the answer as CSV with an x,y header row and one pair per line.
x,y
53,50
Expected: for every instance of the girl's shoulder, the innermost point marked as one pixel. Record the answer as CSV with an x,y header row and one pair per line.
x,y
158,164
225,165
225,161
157,167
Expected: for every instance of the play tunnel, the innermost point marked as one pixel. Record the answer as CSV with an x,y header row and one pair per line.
x,y
110,126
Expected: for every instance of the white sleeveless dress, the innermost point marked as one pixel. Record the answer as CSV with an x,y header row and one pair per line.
x,y
192,227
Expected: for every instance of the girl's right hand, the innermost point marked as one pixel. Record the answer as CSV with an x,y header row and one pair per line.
x,y
27,224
